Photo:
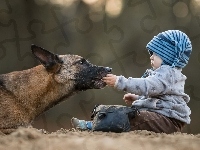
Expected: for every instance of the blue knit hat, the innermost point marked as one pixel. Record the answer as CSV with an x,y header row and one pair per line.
x,y
173,47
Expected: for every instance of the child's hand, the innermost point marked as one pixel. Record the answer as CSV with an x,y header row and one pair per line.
x,y
110,79
129,98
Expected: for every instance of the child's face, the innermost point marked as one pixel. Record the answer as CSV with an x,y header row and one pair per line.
x,y
156,61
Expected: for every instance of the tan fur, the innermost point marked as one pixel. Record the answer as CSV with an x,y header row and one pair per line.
x,y
27,94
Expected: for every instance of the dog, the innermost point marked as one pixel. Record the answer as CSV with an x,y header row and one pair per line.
x,y
26,94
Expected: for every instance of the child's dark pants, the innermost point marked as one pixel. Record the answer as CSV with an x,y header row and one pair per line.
x,y
155,122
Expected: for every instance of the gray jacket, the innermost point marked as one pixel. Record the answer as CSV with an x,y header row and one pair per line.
x,y
162,92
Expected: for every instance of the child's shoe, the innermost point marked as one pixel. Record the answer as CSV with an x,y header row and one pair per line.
x,y
79,124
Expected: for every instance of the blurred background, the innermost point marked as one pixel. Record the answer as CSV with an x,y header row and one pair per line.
x,y
110,33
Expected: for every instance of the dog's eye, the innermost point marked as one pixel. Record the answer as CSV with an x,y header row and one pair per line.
x,y
82,61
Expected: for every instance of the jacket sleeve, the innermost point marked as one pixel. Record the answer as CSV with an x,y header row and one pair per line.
x,y
158,83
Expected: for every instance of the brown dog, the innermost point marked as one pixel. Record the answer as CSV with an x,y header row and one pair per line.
x,y
26,94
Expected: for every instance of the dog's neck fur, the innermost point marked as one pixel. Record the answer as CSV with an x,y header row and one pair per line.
x,y
34,90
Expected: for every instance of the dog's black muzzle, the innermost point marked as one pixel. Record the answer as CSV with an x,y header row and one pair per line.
x,y
91,77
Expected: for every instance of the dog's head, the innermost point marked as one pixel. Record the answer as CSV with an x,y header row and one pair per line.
x,y
72,69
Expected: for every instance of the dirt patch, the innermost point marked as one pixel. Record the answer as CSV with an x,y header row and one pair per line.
x,y
31,138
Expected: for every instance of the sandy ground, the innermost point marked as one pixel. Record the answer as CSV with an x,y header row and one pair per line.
x,y
33,139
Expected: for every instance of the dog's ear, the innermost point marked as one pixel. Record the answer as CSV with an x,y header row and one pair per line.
x,y
50,61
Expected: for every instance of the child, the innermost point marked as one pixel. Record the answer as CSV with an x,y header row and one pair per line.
x,y
159,94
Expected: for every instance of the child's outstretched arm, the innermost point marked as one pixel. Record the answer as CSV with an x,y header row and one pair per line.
x,y
157,83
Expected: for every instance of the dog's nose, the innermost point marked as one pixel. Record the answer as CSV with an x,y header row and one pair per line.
x,y
108,69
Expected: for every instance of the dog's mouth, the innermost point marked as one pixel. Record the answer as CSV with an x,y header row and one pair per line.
x,y
92,78
98,81
98,84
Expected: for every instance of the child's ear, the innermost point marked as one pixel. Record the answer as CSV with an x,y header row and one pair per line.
x,y
49,60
